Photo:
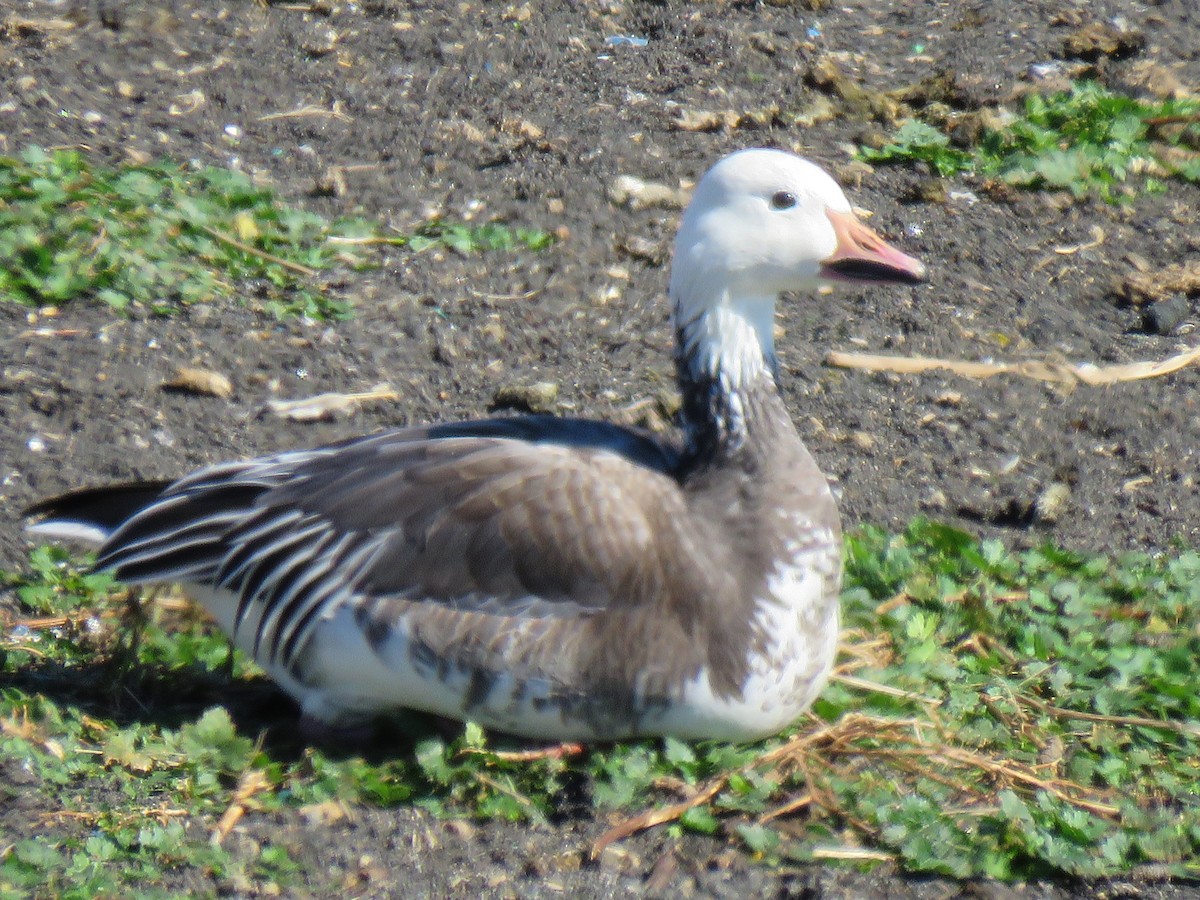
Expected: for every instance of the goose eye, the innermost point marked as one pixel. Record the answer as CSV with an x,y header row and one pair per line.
x,y
783,200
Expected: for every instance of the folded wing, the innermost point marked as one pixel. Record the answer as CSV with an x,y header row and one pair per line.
x,y
499,520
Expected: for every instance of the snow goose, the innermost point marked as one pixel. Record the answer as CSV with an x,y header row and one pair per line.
x,y
551,578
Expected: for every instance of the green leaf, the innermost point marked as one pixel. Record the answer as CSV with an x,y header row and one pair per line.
x,y
699,818
758,838
213,740
678,753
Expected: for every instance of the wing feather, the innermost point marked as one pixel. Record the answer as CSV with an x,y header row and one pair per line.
x,y
499,519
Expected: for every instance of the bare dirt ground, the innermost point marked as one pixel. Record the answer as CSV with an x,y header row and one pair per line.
x,y
521,112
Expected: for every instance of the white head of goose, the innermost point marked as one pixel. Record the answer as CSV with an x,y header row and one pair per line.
x,y
552,578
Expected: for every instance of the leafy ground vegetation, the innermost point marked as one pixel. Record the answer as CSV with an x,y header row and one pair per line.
x,y
994,714
164,235
1085,140
426,197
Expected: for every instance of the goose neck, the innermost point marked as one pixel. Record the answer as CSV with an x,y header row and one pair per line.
x,y
725,362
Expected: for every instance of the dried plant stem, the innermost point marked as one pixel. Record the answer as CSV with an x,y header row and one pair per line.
x,y
1188,728
254,251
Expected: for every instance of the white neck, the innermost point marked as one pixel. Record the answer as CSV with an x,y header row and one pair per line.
x,y
728,339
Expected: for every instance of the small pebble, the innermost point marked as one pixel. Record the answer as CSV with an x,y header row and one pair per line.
x,y
936,500
635,193
322,42
862,440
538,397
1044,70
625,40
1009,464
1165,316
193,380
618,859
931,190
494,332
1051,502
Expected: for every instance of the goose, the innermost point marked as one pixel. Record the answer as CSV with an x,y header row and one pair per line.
x,y
549,578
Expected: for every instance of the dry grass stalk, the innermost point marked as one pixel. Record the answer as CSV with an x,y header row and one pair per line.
x,y
555,751
1038,370
253,781
309,112
298,268
1190,728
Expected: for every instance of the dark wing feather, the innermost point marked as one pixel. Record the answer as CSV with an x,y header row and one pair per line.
x,y
106,507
